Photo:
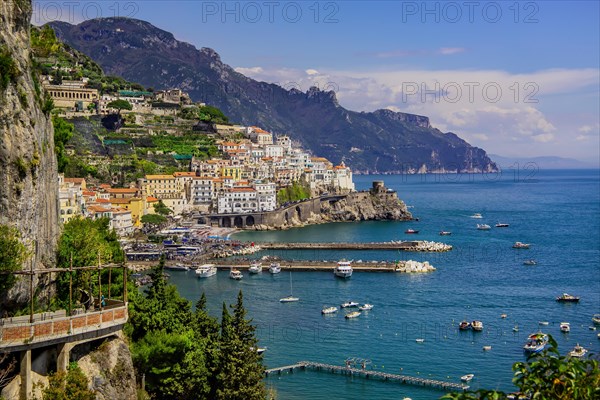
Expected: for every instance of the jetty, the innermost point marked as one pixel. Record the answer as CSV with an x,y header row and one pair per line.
x,y
415,245
409,266
367,374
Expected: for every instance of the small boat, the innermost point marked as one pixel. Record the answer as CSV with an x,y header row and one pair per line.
x,y
536,342
343,269
520,245
467,377
261,350
290,298
501,225
503,316
592,328
275,268
464,325
567,298
206,270
235,274
476,215
255,268
420,340
578,351
445,233
487,348
543,323
366,307
516,328
529,262
349,304
596,319
353,314
483,227
329,310
565,327
177,267
477,326
409,231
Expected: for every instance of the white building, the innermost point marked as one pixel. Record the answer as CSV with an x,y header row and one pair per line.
x,y
273,150
203,190
266,196
237,200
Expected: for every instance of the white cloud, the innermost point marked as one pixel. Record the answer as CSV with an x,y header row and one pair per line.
x,y
311,72
447,51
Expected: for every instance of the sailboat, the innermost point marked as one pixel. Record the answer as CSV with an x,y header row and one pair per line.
x,y
290,298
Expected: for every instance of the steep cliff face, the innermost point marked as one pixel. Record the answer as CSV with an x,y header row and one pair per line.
x,y
28,174
366,206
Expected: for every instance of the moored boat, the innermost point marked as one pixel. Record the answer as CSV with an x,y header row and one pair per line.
x,y
329,310
206,270
520,245
578,351
409,231
596,319
235,274
530,262
467,377
483,227
290,298
420,340
255,268
177,267
445,233
275,268
487,348
567,298
477,326
464,325
565,327
366,307
349,304
536,342
353,314
501,225
343,269
476,215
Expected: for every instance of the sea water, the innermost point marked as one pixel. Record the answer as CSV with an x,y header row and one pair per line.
x,y
557,212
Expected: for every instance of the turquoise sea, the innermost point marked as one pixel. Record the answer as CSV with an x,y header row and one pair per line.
x,y
558,212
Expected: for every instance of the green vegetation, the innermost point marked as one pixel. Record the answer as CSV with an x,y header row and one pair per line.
x,y
63,132
72,385
185,354
297,191
162,209
548,375
9,73
120,105
153,219
13,254
87,242
199,145
205,113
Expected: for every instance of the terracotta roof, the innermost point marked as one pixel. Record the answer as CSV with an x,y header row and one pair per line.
x,y
121,201
105,186
98,209
89,193
151,199
243,189
122,190
102,201
204,178
155,177
177,174
75,180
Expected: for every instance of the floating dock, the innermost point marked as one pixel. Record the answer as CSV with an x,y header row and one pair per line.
x,y
367,374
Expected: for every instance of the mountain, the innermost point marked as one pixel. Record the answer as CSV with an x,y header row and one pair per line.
x,y
544,162
380,141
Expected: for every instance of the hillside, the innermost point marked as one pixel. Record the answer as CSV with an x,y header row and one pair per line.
x,y
381,141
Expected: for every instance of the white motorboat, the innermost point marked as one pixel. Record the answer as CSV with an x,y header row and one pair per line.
x,y
565,327
366,307
420,340
349,304
536,342
290,298
255,268
177,267
501,225
467,377
343,269
206,270
545,323
477,326
329,310
353,314
477,216
275,268
235,274
596,319
261,350
578,351
520,245
487,348
483,227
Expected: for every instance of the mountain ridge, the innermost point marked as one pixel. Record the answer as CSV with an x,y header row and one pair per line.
x,y
379,141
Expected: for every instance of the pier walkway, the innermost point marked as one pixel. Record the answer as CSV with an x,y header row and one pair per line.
x,y
416,245
367,374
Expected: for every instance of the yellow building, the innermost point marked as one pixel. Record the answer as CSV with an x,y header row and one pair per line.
x,y
133,204
233,171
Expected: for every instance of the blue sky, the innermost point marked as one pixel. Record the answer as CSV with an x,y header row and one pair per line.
x,y
515,78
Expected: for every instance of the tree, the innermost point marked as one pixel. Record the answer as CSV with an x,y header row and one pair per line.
x,y
13,254
120,105
63,132
72,385
153,219
548,375
162,209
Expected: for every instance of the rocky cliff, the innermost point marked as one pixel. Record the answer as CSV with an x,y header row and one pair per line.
x,y
28,172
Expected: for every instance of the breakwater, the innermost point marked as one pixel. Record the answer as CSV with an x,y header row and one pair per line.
x,y
416,245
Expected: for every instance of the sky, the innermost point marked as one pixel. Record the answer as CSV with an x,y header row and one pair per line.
x,y
516,78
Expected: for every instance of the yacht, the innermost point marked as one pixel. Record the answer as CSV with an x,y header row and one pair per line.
x,y
501,225
565,327
477,215
366,307
520,245
290,298
536,342
477,326
578,351
255,268
235,274
275,268
483,227
343,269
567,298
206,270
349,304
329,310
353,314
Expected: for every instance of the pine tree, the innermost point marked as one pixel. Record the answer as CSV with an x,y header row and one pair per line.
x,y
159,283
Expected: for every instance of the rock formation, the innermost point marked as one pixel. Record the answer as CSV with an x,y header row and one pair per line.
x,y
28,172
